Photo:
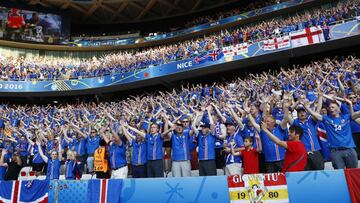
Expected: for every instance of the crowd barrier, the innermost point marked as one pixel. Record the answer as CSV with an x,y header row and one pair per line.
x,y
308,186
338,31
318,186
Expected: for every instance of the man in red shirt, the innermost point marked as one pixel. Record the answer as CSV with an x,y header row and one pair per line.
x,y
295,156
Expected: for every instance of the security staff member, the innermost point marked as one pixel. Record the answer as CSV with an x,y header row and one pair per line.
x,y
101,161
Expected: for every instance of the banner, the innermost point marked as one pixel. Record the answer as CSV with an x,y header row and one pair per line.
x,y
104,190
235,50
277,43
353,181
24,191
256,188
307,36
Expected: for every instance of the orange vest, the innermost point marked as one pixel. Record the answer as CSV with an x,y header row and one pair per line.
x,y
100,161
8,133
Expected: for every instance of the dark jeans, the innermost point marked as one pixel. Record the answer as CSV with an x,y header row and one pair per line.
x,y
207,168
342,158
262,165
274,166
219,158
138,171
102,175
155,168
315,161
356,138
24,160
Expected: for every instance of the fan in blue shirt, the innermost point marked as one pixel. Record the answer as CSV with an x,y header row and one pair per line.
x,y
53,163
138,157
339,134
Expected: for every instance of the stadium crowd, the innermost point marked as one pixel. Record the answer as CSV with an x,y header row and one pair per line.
x,y
232,12
224,13
46,68
289,120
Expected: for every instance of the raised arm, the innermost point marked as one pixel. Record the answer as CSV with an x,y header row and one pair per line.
x,y
194,124
67,139
223,119
251,119
60,150
314,114
258,141
285,120
319,102
142,134
2,158
128,136
354,115
272,137
236,117
103,136
27,136
45,158
211,120
168,131
341,86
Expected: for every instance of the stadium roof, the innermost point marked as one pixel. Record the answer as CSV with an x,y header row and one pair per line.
x,y
125,11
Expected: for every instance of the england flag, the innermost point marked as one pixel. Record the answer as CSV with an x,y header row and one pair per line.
x,y
235,50
277,43
307,36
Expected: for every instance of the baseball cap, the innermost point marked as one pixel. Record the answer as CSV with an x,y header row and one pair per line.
x,y
205,125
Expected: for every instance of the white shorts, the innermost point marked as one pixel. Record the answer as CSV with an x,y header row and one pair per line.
x,y
120,173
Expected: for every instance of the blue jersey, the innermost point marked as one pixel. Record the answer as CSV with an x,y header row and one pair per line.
x,y
325,151
10,150
37,159
309,138
180,146
79,146
70,170
355,127
138,153
278,113
238,142
53,169
22,147
310,95
339,131
271,150
50,145
117,155
154,146
206,146
92,143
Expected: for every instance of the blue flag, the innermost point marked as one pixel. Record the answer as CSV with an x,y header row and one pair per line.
x,y
104,190
24,191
